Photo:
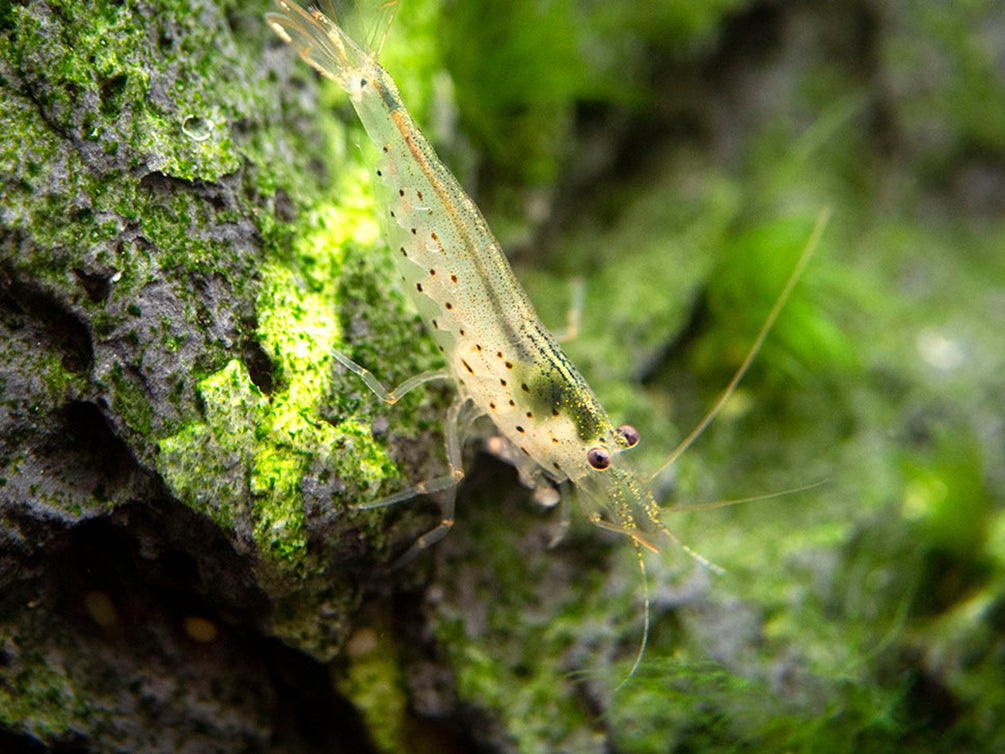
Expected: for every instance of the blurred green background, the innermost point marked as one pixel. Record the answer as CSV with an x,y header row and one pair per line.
x,y
674,156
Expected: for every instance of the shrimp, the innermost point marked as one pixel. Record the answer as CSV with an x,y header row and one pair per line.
x,y
504,362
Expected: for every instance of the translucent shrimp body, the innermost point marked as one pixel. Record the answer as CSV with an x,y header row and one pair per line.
x,y
499,354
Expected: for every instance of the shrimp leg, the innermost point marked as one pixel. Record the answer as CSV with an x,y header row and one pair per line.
x,y
564,515
459,419
389,396
448,482
574,316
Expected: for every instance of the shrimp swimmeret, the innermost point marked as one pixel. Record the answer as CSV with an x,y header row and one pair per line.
x,y
504,362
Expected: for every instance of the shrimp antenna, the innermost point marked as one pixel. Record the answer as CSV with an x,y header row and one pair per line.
x,y
797,271
713,504
645,625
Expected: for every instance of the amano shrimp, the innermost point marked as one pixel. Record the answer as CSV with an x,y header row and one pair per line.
x,y
505,363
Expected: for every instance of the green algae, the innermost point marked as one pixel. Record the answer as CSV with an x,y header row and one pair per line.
x,y
104,88
271,441
276,439
41,698
833,576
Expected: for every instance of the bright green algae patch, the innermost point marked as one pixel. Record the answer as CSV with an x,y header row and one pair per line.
x,y
249,452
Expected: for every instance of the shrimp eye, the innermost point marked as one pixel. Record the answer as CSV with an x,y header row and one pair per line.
x,y
598,458
630,435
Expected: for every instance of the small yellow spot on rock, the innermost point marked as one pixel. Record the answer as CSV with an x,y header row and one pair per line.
x,y
361,643
200,629
101,608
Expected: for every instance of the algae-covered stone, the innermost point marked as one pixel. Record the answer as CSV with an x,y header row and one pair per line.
x,y
170,292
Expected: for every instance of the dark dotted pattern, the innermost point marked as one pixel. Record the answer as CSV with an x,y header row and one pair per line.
x,y
469,355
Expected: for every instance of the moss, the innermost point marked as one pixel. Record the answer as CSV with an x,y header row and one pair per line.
x,y
958,106
252,447
104,88
262,446
40,698
195,462
375,683
130,402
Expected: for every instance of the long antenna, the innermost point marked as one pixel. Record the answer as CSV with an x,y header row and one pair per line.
x,y
797,271
645,628
713,504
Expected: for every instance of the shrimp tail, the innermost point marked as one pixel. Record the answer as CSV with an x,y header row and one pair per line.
x,y
319,41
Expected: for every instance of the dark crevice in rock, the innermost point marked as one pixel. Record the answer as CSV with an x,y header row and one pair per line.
x,y
70,743
259,366
67,333
85,434
96,286
139,589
